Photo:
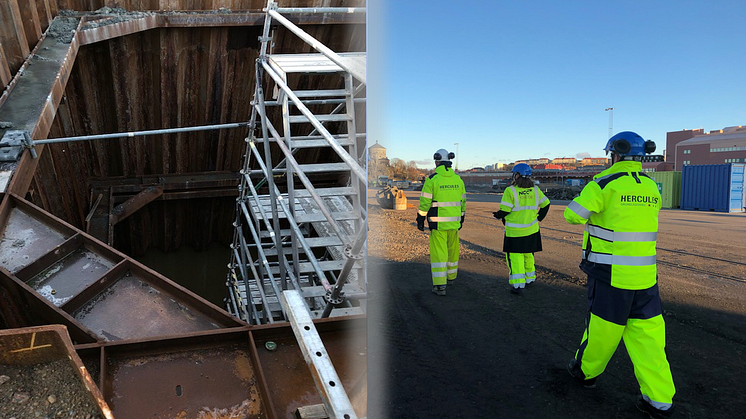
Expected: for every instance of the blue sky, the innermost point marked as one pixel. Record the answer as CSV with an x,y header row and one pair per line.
x,y
510,80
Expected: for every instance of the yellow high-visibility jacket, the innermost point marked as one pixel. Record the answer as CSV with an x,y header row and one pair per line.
x,y
522,206
443,200
620,211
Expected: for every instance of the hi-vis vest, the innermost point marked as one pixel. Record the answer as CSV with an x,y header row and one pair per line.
x,y
523,205
443,200
620,211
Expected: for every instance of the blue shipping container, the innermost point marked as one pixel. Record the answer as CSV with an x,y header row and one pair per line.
x,y
713,187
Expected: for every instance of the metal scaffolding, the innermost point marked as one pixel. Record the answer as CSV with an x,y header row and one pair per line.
x,y
303,232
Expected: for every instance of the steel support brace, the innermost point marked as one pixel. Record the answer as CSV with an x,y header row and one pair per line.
x,y
327,381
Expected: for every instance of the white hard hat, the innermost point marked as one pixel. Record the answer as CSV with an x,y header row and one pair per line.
x,y
443,155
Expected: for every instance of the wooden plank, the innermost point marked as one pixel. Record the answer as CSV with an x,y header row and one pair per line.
x,y
133,204
53,9
168,100
5,75
45,13
98,226
30,20
12,35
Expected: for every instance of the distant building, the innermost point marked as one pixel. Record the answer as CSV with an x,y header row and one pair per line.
x,y
675,137
500,166
489,168
377,152
595,161
535,162
565,160
727,145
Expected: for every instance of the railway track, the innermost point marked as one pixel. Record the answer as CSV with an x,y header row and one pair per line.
x,y
661,261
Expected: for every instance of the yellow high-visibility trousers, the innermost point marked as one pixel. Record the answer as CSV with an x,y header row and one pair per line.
x,y
444,248
521,269
634,317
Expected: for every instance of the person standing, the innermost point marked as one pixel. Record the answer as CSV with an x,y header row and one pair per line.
x,y
620,211
443,204
522,207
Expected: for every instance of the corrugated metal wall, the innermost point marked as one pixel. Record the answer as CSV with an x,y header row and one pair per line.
x,y
713,187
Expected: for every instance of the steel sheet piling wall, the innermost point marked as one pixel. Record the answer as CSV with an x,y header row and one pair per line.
x,y
713,187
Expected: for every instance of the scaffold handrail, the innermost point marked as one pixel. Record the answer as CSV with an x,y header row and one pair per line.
x,y
358,73
341,152
309,253
306,182
321,10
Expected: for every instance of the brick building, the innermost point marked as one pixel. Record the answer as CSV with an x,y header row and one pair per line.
x,y
727,145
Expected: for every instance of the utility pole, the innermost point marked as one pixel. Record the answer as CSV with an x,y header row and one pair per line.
x,y
456,168
611,121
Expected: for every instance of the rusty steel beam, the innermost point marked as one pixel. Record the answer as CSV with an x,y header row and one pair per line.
x,y
115,30
130,206
32,103
104,31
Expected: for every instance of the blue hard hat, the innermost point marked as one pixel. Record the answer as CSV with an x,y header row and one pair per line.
x,y
627,143
522,169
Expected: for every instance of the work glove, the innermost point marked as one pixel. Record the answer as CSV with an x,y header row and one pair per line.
x,y
462,222
494,214
420,222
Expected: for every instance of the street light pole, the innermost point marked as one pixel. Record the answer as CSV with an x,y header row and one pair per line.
x,y
456,144
611,121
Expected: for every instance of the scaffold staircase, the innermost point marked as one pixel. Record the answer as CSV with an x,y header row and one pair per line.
x,y
304,231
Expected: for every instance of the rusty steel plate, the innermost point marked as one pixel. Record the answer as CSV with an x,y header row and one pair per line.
x,y
289,380
207,383
133,308
72,274
25,239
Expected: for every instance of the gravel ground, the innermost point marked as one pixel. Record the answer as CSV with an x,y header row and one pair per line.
x,y
483,352
49,390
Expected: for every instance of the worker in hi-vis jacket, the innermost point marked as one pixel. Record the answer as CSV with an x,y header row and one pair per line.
x,y
620,211
522,207
443,203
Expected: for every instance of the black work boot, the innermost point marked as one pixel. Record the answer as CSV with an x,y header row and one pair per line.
x,y
655,413
577,373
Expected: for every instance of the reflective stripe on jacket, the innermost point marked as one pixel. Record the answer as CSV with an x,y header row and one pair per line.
x,y
523,205
443,200
620,211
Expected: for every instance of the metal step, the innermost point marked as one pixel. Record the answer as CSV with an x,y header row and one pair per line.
x,y
326,266
311,218
314,218
339,191
324,167
319,143
312,242
313,63
321,93
296,119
